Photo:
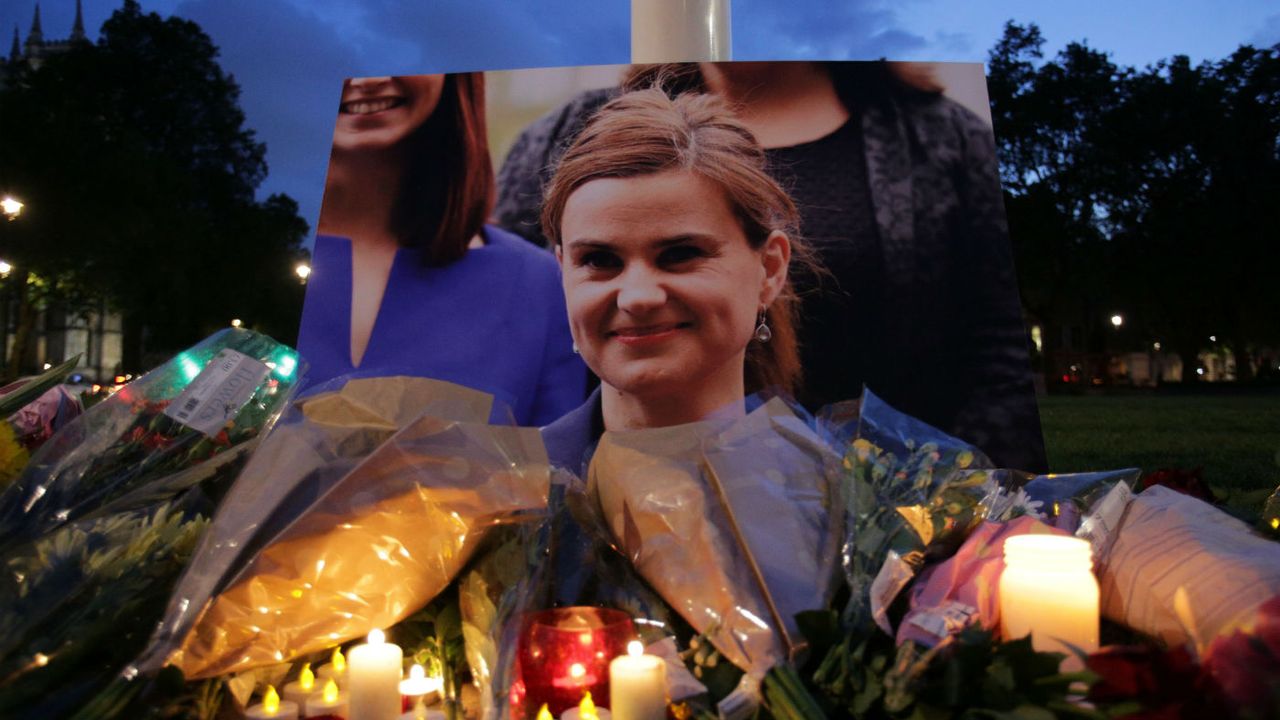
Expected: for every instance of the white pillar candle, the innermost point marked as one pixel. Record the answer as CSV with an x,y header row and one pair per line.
x,y
328,702
1047,589
638,685
680,30
373,679
272,708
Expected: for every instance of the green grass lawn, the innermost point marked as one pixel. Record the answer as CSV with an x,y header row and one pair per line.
x,y
1234,438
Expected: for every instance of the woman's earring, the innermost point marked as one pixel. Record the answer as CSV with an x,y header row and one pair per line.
x,y
763,333
576,351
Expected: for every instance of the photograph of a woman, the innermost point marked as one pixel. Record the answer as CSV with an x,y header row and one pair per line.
x,y
407,279
675,247
898,195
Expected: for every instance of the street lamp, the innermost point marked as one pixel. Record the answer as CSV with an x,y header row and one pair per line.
x,y
303,271
5,269
235,323
1117,320
11,207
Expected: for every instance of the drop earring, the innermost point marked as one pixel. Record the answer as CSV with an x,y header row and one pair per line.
x,y
763,333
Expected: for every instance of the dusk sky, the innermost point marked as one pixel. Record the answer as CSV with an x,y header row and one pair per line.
x,y
290,56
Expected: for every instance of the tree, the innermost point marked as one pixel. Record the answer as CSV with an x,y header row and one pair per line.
x,y
140,179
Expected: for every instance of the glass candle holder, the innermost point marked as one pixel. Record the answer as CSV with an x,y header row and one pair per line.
x,y
564,653
1048,590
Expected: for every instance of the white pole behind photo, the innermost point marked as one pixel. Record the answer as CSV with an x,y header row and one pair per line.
x,y
680,30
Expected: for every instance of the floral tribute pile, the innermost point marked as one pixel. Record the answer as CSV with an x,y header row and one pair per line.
x,y
207,543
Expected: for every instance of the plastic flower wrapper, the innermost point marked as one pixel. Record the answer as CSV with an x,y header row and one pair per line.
x,y
78,603
569,562
318,441
384,540
730,521
31,411
223,391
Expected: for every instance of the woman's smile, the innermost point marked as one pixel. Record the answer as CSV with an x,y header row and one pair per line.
x,y
647,335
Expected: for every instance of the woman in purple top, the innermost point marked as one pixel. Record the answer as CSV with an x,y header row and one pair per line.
x,y
406,278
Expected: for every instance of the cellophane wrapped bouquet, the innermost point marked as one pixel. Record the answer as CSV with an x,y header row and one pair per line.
x,y
98,526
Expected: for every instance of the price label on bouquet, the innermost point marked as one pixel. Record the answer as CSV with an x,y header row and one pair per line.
x,y
218,392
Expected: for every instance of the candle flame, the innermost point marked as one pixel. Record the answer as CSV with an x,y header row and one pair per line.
x,y
635,648
417,672
271,701
544,713
306,679
587,709
377,637
339,661
577,671
330,694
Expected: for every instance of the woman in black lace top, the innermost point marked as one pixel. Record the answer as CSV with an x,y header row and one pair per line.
x,y
899,196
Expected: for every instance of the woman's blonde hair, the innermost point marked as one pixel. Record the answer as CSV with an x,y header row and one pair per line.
x,y
645,132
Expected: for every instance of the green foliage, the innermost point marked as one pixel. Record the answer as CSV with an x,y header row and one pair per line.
x,y
139,178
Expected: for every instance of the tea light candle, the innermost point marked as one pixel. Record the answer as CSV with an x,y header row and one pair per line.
x,y
1047,589
586,710
638,685
336,669
272,708
304,687
329,703
419,688
373,679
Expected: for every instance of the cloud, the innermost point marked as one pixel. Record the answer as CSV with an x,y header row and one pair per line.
x,y
1268,34
820,29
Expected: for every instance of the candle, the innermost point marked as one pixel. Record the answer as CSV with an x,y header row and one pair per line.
x,y
329,703
1047,589
336,669
301,689
419,688
272,708
638,685
586,710
373,679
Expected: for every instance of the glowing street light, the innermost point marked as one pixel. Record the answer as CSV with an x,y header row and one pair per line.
x,y
5,268
1117,320
303,271
236,323
11,207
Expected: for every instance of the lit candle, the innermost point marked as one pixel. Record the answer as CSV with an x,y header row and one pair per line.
x,y
586,710
1047,589
272,708
336,669
638,685
329,703
373,679
301,689
419,688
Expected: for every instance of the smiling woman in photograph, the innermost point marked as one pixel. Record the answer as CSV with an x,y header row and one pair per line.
x,y
406,277
675,246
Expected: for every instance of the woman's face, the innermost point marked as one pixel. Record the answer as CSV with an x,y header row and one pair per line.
x,y
378,113
661,286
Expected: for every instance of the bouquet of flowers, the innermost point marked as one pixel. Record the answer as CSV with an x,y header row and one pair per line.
x,y
93,543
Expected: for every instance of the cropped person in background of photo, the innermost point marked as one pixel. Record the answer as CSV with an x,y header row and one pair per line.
x,y
406,277
899,195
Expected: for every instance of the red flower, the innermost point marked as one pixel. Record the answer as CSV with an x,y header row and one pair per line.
x,y
1187,482
1169,684
1245,665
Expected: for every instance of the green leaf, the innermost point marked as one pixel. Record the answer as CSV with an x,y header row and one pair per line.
x,y
35,387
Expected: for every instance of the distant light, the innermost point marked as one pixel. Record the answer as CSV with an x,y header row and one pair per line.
x,y
1199,371
1213,338
1117,320
5,268
303,270
120,379
1156,346
11,207
48,365
236,322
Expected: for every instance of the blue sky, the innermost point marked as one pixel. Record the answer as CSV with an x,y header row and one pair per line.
x,y
290,56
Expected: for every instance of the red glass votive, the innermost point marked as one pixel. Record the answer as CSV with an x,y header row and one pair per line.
x,y
564,653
